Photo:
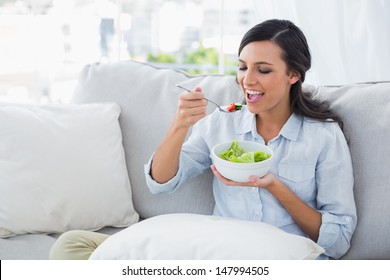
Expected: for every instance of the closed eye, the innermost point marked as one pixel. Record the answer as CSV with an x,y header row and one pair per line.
x,y
266,71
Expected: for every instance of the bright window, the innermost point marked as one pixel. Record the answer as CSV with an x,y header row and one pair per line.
x,y
45,44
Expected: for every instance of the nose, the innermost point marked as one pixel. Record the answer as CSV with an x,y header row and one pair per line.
x,y
249,78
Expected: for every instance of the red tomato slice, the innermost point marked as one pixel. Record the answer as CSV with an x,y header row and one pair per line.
x,y
231,107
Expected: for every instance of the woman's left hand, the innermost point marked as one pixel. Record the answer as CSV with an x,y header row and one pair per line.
x,y
253,181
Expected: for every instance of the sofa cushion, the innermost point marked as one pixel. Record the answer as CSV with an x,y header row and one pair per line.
x,y
26,247
62,167
148,98
365,111
202,237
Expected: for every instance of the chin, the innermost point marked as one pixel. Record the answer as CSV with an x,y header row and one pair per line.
x,y
252,109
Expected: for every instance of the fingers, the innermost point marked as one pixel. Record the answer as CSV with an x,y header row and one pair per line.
x,y
196,95
224,180
192,107
253,181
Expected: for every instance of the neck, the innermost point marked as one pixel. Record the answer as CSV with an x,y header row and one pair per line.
x,y
269,125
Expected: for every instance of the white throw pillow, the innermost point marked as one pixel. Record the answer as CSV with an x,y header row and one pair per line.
x,y
62,167
202,237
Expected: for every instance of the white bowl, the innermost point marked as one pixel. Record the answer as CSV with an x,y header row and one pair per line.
x,y
240,172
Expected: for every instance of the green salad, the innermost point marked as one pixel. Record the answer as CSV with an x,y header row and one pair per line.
x,y
236,154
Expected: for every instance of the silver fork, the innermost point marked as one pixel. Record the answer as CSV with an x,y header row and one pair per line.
x,y
208,100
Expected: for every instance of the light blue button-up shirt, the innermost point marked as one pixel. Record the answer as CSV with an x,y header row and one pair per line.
x,y
311,157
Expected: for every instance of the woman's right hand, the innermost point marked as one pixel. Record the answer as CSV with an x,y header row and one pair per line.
x,y
191,108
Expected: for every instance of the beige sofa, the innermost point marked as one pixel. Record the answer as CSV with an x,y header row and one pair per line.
x,y
148,98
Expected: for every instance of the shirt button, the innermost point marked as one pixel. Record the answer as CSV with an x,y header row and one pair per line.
x,y
257,213
347,219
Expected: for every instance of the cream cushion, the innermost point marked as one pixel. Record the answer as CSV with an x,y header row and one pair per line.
x,y
62,167
203,237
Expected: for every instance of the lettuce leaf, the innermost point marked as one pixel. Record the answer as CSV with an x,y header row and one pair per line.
x,y
236,154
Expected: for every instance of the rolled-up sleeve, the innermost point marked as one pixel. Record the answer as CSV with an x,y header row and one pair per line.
x,y
335,199
335,233
155,187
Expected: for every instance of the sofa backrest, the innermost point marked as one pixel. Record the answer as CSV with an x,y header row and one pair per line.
x,y
365,111
148,98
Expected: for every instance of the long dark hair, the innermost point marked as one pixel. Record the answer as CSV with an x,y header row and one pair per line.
x,y
296,55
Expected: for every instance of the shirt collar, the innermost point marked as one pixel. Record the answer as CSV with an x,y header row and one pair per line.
x,y
290,130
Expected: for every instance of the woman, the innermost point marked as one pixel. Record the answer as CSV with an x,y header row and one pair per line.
x,y
309,189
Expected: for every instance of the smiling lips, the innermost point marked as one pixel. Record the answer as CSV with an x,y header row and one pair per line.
x,y
254,95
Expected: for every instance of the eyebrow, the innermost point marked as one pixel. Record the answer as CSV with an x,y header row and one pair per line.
x,y
257,63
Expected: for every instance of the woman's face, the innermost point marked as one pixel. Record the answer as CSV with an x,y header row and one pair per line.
x,y
264,78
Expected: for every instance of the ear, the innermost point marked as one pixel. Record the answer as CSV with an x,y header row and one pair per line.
x,y
294,77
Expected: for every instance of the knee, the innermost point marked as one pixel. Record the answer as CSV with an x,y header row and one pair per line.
x,y
67,246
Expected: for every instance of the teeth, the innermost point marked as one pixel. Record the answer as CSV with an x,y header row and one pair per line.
x,y
254,92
